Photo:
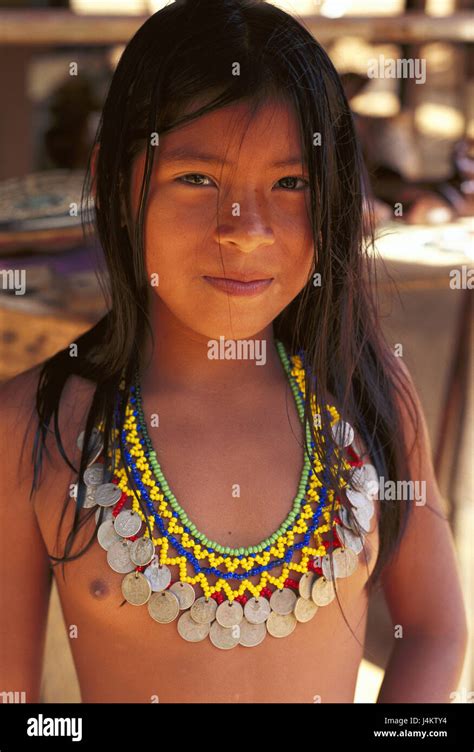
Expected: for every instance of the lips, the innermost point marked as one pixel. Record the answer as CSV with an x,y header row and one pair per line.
x,y
239,278
239,286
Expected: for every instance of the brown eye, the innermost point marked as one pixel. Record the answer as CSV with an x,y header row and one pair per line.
x,y
183,179
294,178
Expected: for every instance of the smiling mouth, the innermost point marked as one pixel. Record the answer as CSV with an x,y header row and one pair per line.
x,y
239,287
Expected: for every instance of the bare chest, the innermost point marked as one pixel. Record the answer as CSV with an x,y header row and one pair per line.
x,y
237,492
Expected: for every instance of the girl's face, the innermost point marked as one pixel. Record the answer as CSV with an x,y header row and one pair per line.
x,y
213,182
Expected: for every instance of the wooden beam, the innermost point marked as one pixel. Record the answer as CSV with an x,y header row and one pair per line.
x,y
58,27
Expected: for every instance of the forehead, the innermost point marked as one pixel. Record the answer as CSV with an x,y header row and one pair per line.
x,y
270,129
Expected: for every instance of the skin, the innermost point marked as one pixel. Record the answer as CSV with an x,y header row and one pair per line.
x,y
226,422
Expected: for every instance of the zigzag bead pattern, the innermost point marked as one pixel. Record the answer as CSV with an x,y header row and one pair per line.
x,y
216,591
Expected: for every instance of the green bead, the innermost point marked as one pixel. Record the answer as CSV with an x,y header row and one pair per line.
x,y
306,474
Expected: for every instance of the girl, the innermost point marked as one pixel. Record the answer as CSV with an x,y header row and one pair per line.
x,y
215,443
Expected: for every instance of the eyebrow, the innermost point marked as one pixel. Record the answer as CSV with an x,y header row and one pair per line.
x,y
183,154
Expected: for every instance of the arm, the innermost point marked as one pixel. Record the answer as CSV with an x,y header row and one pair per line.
x,y
25,574
423,591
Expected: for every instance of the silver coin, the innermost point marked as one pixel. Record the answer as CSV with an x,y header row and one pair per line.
x,y
203,610
94,475
305,609
345,562
106,534
357,498
142,551
251,634
95,446
127,523
136,589
229,614
366,480
326,567
163,607
89,498
191,630
106,514
257,610
348,519
305,584
343,433
159,576
107,494
118,557
364,506
323,592
224,638
185,594
349,539
283,601
363,517
281,625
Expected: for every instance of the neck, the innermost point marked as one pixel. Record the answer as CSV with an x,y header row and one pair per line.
x,y
183,359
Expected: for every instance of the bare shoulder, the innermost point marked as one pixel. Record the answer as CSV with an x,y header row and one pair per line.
x,y
41,509
18,411
23,622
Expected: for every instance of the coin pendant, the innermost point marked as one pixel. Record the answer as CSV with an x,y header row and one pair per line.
x,y
349,539
89,498
185,594
106,534
345,562
305,609
159,576
224,638
251,634
305,584
136,588
94,475
366,480
363,505
163,607
106,514
283,601
357,498
118,557
142,551
107,494
127,523
229,614
257,610
326,567
363,517
95,446
347,519
191,630
323,592
203,610
280,625
343,433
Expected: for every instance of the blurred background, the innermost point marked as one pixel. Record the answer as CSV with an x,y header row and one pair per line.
x,y
56,62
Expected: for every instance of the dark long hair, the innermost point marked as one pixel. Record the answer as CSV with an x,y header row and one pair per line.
x,y
181,53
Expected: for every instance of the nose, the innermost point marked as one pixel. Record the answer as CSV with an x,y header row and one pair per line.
x,y
246,226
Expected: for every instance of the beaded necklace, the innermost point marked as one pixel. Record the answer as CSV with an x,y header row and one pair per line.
x,y
237,606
